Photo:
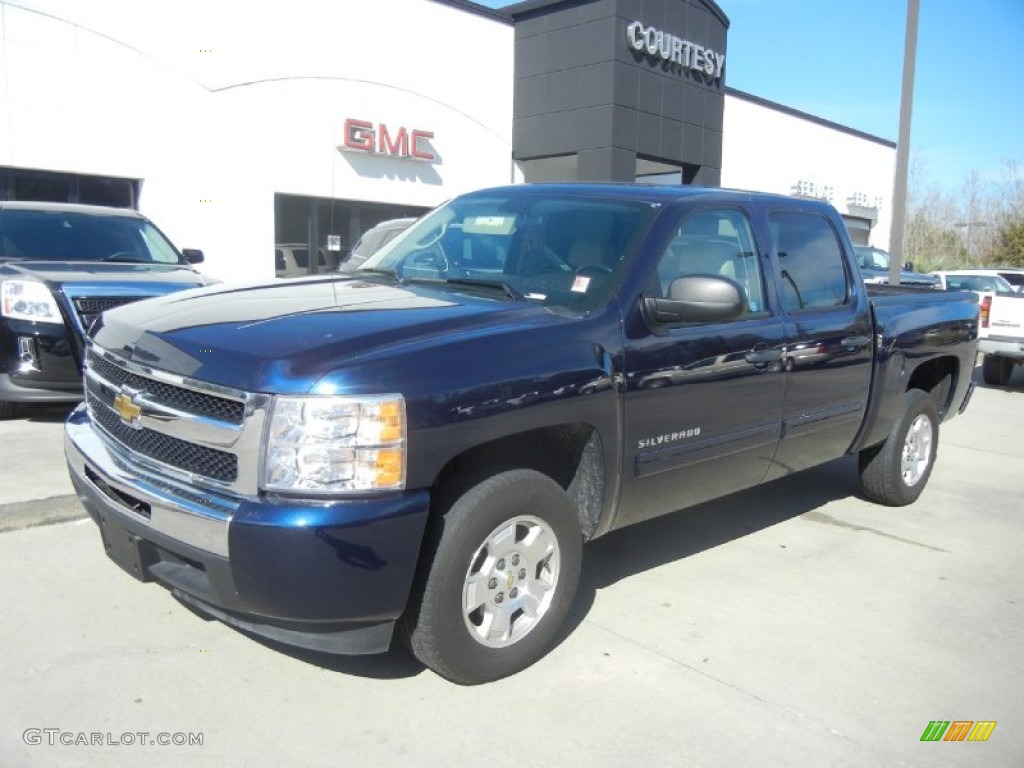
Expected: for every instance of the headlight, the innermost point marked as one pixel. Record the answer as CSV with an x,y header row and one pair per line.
x,y
29,300
336,444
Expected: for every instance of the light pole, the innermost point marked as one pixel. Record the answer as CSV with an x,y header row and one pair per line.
x,y
899,192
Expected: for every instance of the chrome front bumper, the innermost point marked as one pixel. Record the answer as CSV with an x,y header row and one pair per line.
x,y
177,512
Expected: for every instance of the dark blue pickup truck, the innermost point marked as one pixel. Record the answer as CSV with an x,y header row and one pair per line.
x,y
426,443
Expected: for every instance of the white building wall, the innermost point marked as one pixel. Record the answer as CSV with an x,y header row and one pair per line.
x,y
771,150
218,106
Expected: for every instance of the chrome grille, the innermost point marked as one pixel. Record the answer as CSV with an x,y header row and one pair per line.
x,y
188,400
89,308
218,465
175,428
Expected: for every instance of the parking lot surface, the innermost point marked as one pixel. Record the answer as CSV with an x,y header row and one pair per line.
x,y
791,625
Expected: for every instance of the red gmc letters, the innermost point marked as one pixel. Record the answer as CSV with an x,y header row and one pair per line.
x,y
364,136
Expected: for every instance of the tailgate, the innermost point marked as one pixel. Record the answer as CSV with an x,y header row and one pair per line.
x,y
1006,317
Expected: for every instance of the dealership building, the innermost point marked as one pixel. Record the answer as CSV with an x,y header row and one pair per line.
x,y
265,131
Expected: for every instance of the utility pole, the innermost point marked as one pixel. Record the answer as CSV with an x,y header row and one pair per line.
x,y
899,193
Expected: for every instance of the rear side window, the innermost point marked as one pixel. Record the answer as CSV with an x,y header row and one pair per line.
x,y
810,262
1015,279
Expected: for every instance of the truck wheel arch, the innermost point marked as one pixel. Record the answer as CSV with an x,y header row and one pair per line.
x,y
570,454
938,378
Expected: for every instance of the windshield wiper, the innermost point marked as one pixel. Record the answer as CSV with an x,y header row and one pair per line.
x,y
500,285
471,282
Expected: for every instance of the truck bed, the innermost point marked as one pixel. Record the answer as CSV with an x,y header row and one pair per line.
x,y
913,324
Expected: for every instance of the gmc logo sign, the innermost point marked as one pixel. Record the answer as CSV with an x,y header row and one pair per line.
x,y
364,136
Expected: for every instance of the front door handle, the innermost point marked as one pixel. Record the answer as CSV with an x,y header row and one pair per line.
x,y
855,342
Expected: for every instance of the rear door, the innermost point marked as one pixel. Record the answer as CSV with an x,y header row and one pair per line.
x,y
703,402
828,340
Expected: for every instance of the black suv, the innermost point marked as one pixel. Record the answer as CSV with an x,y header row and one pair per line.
x,y
61,265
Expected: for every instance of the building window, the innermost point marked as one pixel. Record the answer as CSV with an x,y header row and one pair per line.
x,y
333,226
51,187
118,193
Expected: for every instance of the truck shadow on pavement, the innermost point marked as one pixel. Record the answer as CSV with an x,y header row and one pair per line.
x,y
641,547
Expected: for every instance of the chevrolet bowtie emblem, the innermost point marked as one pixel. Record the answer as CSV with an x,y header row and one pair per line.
x,y
127,409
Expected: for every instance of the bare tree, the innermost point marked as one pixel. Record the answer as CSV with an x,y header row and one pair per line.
x,y
983,223
1006,246
930,241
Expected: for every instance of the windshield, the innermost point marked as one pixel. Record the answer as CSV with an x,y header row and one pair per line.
x,y
871,258
28,235
532,247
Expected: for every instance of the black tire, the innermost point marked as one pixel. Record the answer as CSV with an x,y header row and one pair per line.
x,y
996,371
896,471
7,410
469,554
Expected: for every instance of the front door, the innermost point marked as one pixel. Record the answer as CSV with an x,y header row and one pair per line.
x,y
703,403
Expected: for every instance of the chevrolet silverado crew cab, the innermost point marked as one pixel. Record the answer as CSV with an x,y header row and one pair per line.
x,y
428,442
60,266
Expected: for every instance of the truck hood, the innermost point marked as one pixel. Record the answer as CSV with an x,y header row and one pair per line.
x,y
283,337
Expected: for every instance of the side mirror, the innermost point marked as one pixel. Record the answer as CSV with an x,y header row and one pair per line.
x,y
192,255
908,266
697,299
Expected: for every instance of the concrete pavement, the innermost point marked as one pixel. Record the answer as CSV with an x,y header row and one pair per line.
x,y
34,485
791,625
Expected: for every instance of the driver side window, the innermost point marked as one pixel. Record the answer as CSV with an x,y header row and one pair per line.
x,y
718,243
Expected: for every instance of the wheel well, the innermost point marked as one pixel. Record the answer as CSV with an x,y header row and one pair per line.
x,y
938,378
570,454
